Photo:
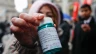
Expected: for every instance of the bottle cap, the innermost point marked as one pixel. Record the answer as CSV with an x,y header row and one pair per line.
x,y
46,20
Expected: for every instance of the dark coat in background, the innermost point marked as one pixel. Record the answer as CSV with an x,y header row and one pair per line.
x,y
2,32
64,37
83,42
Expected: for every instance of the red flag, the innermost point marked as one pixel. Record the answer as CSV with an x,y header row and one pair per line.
x,y
75,10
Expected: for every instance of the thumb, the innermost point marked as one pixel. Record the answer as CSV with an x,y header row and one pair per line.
x,y
55,25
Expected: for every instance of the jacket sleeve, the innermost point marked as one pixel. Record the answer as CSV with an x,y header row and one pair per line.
x,y
23,50
14,47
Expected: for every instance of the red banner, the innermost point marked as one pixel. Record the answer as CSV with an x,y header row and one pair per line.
x,y
75,10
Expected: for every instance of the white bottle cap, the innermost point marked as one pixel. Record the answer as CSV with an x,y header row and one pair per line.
x,y
46,20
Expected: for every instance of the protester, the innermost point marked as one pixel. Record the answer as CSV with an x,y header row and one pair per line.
x,y
64,32
4,30
25,39
85,32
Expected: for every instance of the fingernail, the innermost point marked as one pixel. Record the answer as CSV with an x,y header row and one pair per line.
x,y
25,15
41,15
12,19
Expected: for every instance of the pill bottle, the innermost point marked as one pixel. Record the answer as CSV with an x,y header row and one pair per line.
x,y
48,36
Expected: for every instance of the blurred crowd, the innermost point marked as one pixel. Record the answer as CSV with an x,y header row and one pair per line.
x,y
20,36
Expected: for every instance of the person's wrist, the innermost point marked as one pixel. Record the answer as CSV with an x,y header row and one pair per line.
x,y
31,46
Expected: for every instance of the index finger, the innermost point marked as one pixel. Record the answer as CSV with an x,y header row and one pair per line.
x,y
34,19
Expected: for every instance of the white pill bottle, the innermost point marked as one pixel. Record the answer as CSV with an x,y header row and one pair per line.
x,y
48,36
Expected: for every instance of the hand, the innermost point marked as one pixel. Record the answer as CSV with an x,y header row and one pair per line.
x,y
75,20
85,27
25,28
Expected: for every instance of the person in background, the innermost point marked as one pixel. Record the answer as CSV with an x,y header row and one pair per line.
x,y
85,32
4,30
25,39
64,33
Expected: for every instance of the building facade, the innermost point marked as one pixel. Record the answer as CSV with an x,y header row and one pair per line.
x,y
7,10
